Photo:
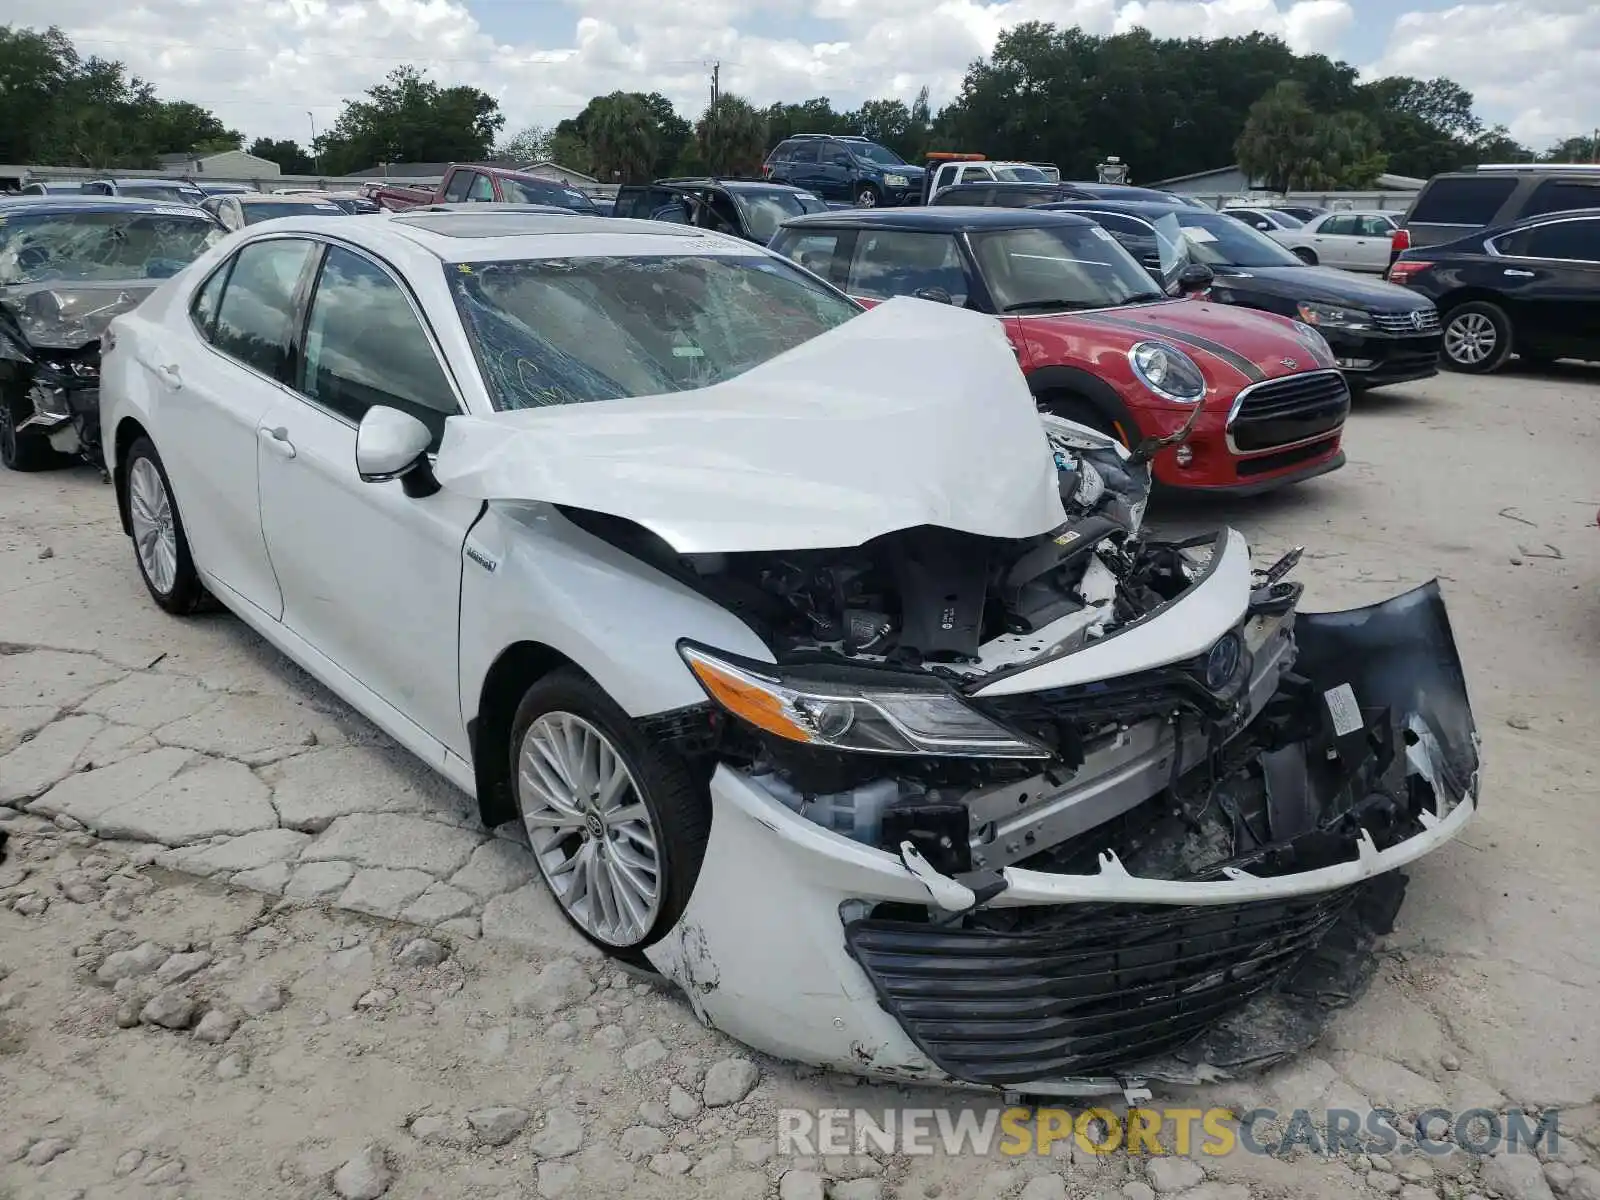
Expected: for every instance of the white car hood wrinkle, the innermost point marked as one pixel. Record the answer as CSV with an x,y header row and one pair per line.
x,y
913,413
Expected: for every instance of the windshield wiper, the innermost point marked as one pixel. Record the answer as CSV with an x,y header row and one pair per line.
x,y
1142,297
1023,305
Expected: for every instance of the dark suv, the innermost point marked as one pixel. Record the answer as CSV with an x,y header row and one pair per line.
x,y
1456,203
845,168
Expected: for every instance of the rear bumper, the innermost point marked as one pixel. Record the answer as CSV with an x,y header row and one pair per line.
x,y
1078,982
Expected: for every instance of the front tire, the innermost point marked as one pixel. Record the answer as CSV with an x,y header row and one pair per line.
x,y
1306,255
617,824
1071,408
867,197
1477,338
23,451
160,545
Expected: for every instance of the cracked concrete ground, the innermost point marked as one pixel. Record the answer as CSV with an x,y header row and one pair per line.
x,y
146,749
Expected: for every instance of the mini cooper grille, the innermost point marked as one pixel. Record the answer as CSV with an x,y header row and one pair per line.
x,y
1281,412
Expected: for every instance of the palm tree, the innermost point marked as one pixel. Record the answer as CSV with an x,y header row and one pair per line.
x,y
732,136
621,137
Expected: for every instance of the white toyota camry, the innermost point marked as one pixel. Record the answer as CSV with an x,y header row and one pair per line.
x,y
829,679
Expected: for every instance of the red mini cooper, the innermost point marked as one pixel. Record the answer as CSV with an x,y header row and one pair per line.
x,y
1099,339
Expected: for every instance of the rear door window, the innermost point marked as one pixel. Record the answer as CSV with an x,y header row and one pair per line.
x,y
1574,241
893,262
1340,226
1560,195
255,320
802,152
481,191
1461,200
1373,226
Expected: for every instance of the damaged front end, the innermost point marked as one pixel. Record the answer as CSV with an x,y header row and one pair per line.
x,y
1055,814
50,362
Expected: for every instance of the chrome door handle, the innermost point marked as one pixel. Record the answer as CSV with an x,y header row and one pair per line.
x,y
1519,274
277,440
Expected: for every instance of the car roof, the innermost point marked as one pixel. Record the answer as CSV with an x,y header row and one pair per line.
x,y
1137,208
937,218
144,181
279,197
89,202
487,210
416,237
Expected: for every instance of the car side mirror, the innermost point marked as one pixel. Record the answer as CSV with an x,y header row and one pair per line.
x,y
391,444
937,294
1196,277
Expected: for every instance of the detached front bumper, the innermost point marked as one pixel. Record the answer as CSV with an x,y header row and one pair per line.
x,y
810,946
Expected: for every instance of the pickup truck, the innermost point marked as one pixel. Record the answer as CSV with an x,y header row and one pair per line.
x,y
946,170
476,183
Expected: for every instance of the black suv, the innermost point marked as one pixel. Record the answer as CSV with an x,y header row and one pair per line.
x,y
1532,287
749,209
845,168
1454,204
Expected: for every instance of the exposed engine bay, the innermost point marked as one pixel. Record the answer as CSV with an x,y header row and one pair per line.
x,y
1288,744
50,360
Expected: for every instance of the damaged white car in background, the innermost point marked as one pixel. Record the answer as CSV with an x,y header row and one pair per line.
x,y
829,679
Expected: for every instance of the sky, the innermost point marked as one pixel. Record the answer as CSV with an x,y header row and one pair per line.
x,y
278,68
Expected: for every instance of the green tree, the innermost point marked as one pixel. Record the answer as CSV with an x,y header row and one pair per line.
x,y
1496,144
732,136
816,115
670,134
1573,150
620,130
291,159
411,118
527,145
570,150
1289,146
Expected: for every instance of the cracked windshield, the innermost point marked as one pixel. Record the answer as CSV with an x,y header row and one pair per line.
x,y
669,324
89,246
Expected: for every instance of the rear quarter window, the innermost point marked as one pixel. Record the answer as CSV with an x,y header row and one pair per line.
x,y
1461,200
1560,195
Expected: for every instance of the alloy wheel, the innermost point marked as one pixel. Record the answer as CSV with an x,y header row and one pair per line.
x,y
591,832
867,199
1470,339
155,536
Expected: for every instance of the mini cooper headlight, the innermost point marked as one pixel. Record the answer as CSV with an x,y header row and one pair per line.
x,y
1168,372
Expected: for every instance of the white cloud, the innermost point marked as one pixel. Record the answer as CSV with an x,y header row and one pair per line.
x,y
1534,64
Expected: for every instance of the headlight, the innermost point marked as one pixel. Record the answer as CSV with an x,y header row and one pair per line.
x,y
896,181
1334,316
1315,342
1168,372
905,719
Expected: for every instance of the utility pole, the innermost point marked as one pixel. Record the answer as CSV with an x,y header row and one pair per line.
x,y
711,115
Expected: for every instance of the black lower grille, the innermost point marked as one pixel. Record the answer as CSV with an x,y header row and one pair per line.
x,y
1084,989
1292,409
1284,458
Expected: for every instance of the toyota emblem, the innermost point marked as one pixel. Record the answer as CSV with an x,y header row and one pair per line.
x,y
1289,363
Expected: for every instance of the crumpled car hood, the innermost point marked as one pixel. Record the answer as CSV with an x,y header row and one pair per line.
x,y
64,315
914,413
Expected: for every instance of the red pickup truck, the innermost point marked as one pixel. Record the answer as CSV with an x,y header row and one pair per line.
x,y
475,182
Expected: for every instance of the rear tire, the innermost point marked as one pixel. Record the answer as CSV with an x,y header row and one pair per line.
x,y
1477,338
160,545
1306,255
24,451
646,861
